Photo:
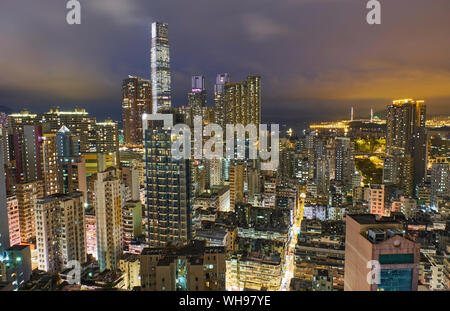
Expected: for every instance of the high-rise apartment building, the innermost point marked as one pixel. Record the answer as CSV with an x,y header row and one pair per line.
x,y
243,102
406,141
130,177
345,161
22,118
4,219
236,183
376,200
71,166
136,101
78,122
107,141
131,221
24,152
50,165
378,256
33,158
220,99
72,172
60,231
440,182
197,98
108,212
168,190
13,220
160,67
68,145
27,195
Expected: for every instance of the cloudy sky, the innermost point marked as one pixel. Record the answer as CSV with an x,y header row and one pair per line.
x,y
317,58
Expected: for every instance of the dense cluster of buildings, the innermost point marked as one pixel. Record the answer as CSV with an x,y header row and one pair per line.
x,y
353,205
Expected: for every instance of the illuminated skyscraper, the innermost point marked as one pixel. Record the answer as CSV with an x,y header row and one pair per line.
x,y
13,220
197,97
78,122
72,167
160,67
67,144
50,165
219,98
108,211
345,161
4,225
27,195
168,190
60,231
440,182
25,152
136,100
406,140
243,102
108,138
376,200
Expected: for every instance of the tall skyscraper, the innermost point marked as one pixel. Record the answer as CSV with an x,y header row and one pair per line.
x,y
50,165
67,144
136,101
168,190
440,182
254,99
71,166
243,102
108,211
27,195
383,241
108,138
33,160
160,67
4,224
197,97
219,98
345,161
25,151
60,231
13,220
406,140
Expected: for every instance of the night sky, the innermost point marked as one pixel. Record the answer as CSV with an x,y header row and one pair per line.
x,y
317,58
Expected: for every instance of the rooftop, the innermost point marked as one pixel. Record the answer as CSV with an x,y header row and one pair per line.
x,y
370,219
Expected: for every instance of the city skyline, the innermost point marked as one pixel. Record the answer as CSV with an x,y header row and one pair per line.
x,y
332,68
293,161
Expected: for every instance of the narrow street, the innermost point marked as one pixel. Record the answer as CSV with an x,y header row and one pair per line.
x,y
289,262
